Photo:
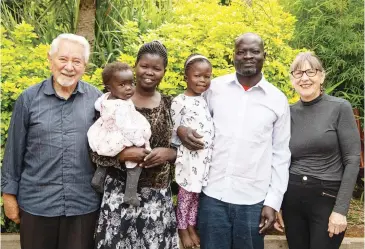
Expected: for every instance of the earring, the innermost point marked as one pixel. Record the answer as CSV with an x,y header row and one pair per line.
x,y
322,88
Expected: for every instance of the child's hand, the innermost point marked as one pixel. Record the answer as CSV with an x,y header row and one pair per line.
x,y
158,156
134,154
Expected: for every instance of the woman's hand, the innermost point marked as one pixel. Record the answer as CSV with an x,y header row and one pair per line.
x,y
134,154
190,138
279,223
11,207
337,223
159,156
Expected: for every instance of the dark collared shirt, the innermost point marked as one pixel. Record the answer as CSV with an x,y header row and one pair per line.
x,y
46,162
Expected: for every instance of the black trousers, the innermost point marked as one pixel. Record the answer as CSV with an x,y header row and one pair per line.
x,y
72,232
307,206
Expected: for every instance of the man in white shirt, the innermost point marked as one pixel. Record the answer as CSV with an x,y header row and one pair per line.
x,y
249,170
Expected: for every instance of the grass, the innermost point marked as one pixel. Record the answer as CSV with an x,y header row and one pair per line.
x,y
355,219
356,213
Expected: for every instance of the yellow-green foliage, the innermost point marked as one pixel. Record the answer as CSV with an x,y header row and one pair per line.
x,y
204,26
94,78
23,65
197,26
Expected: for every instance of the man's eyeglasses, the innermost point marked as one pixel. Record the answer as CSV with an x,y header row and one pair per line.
x,y
297,74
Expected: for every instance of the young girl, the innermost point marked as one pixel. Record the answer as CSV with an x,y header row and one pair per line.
x,y
119,126
190,110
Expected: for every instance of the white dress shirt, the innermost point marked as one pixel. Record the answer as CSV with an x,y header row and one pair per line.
x,y
251,156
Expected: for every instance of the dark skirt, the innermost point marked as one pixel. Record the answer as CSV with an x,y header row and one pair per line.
x,y
151,225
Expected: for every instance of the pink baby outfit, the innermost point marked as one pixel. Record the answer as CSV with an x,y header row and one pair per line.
x,y
119,126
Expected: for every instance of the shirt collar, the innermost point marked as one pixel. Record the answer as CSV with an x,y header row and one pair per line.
x,y
49,89
262,84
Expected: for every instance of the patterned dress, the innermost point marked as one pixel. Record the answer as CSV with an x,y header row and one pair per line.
x,y
119,126
192,167
152,224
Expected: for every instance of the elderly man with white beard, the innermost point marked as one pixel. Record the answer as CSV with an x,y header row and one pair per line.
x,y
46,170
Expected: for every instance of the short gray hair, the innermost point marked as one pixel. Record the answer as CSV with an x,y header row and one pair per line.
x,y
309,57
74,38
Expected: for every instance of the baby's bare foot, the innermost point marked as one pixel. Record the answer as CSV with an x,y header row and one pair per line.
x,y
185,238
194,236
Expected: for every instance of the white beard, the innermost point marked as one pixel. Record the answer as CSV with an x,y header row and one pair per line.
x,y
65,81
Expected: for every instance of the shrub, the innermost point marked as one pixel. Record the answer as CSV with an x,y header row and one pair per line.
x,y
204,27
334,30
209,28
22,65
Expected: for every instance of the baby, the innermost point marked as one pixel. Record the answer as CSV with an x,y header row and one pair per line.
x,y
118,127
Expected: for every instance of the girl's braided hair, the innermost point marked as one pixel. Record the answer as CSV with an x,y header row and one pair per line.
x,y
154,47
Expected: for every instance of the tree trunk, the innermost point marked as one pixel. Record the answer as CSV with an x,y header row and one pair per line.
x,y
86,21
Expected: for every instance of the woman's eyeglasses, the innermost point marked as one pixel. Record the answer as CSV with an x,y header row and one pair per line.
x,y
297,74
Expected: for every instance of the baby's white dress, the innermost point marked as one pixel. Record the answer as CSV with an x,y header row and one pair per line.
x,y
192,167
119,126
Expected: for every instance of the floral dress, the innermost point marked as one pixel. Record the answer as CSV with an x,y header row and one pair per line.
x,y
192,167
152,224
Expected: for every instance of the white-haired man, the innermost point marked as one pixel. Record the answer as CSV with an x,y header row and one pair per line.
x,y
46,170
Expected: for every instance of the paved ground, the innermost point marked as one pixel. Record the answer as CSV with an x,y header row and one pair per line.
x,y
271,242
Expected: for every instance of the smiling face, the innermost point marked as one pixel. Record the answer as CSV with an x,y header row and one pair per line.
x,y
67,64
121,85
150,70
198,78
307,87
249,55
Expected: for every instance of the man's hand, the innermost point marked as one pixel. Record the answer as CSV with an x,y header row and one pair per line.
x,y
158,156
267,219
190,138
279,223
337,223
11,207
134,154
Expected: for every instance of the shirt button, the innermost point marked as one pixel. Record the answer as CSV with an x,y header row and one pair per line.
x,y
305,178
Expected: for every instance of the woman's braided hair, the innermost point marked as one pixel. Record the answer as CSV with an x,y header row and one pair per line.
x,y
154,47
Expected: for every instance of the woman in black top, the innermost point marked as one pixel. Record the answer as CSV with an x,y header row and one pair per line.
x,y
325,147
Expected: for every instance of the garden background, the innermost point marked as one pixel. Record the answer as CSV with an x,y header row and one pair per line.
x,y
333,29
